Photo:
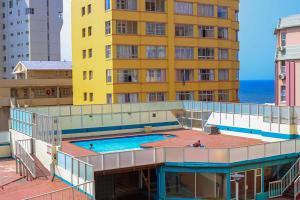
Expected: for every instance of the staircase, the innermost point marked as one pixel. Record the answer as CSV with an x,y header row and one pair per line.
x,y
288,185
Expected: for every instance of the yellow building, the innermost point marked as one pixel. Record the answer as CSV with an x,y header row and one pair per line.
x,y
155,50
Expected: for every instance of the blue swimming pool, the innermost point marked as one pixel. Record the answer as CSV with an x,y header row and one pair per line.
x,y
121,143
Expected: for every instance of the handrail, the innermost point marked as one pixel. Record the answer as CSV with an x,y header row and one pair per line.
x,y
296,188
285,181
84,188
26,158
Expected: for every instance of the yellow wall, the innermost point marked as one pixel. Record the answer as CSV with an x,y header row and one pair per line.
x,y
98,64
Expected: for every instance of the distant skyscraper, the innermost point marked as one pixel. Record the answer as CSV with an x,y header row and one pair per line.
x,y
30,31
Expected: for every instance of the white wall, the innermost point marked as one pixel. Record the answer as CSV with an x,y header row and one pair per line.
x,y
43,152
65,34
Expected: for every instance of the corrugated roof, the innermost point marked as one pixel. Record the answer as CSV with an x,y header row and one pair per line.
x,y
47,65
290,21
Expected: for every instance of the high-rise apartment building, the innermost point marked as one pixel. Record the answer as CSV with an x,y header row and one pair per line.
x,y
287,68
128,51
30,30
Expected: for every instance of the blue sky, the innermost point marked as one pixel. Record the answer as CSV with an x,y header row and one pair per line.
x,y
258,18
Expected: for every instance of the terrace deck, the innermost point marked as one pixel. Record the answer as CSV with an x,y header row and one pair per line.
x,y
183,138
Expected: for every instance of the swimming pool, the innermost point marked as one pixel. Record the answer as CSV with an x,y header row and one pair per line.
x,y
121,143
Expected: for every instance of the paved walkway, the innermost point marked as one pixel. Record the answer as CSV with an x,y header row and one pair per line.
x,y
22,189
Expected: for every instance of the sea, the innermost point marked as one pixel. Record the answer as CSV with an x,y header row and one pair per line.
x,y
257,91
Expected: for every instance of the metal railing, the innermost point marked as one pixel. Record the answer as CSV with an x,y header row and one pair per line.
x,y
41,127
270,113
78,170
277,188
296,188
82,191
23,151
132,158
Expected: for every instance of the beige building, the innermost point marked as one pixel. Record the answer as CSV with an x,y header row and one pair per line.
x,y
38,83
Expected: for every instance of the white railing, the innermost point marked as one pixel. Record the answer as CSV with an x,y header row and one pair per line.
x,y
82,191
75,170
277,188
23,151
132,158
296,188
41,127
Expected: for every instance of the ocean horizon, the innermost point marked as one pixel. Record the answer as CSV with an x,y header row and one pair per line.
x,y
257,91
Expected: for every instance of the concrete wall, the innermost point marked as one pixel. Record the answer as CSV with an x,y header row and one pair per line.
x,y
14,135
43,152
250,126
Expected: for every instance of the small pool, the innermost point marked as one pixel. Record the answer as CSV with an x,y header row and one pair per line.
x,y
121,143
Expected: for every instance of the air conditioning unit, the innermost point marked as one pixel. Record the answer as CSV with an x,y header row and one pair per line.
x,y
281,48
211,130
282,76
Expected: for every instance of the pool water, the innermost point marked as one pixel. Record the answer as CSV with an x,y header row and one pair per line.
x,y
121,143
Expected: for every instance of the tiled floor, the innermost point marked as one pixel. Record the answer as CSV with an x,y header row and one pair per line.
x,y
183,138
22,188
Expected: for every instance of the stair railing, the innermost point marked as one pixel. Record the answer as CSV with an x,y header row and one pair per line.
x,y
277,188
26,159
296,188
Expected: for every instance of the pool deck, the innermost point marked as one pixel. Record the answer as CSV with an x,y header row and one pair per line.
x,y
183,138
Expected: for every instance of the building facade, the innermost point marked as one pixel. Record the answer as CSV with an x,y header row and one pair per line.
x,y
37,84
30,31
287,61
147,50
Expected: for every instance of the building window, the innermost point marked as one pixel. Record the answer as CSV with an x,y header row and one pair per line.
x,y
206,95
282,67
206,53
155,5
223,95
109,98
84,75
283,93
107,4
223,74
223,54
156,75
206,74
89,9
125,51
91,96
206,10
236,14
29,11
223,33
82,11
126,27
155,28
108,76
127,4
89,31
184,53
91,75
237,75
107,28
85,96
107,51
83,54
184,75
128,98
127,76
222,12
184,30
10,4
283,39
156,96
83,32
236,35
184,8
184,96
90,53
206,31
157,52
